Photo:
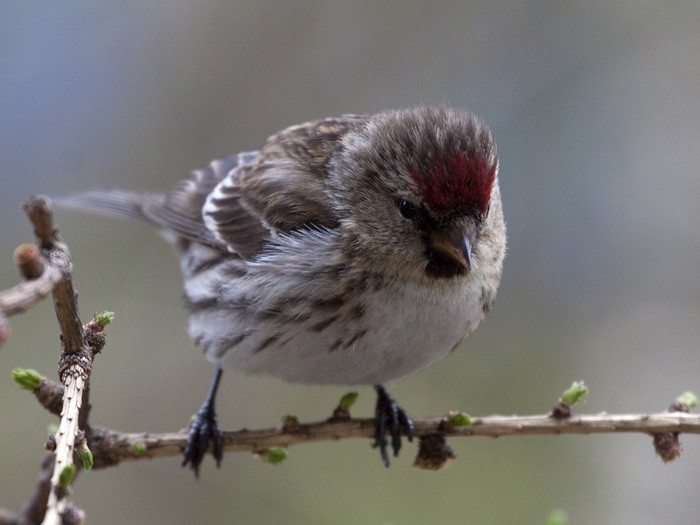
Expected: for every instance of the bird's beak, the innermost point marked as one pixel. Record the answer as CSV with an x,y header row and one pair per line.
x,y
452,244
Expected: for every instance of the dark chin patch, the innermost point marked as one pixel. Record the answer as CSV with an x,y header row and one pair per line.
x,y
441,268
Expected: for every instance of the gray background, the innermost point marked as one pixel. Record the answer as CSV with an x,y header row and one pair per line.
x,y
595,107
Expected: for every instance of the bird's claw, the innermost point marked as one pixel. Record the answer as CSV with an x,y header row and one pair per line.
x,y
203,431
389,415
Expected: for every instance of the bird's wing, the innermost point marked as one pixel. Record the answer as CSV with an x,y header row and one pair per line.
x,y
237,203
284,189
180,210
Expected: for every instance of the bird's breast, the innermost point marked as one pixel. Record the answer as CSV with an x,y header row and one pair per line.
x,y
392,332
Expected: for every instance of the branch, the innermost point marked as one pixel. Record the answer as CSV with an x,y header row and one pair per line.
x,y
75,363
38,285
111,447
40,212
22,297
47,267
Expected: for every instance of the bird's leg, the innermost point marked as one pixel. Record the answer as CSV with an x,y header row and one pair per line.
x,y
389,415
204,430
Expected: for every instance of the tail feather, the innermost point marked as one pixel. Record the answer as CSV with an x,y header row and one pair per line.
x,y
154,208
118,204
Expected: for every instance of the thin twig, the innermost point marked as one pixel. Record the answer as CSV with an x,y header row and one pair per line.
x,y
56,278
47,268
41,278
40,211
22,297
75,363
111,447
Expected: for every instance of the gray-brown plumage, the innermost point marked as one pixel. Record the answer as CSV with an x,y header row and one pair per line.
x,y
354,250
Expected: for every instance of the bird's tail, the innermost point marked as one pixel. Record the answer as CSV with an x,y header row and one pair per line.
x,y
118,204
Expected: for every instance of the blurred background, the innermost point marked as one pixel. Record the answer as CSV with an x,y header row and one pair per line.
x,y
595,107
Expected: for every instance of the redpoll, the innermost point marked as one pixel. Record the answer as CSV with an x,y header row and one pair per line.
x,y
351,250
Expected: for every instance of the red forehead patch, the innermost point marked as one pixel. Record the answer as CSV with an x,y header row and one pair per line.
x,y
457,182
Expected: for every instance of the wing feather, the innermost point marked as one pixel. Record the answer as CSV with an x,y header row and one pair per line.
x,y
181,209
240,202
284,190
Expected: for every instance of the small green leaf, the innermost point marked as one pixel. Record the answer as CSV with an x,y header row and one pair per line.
x,y
275,455
557,517
290,420
574,393
26,378
138,448
348,400
104,318
66,476
459,419
85,455
688,399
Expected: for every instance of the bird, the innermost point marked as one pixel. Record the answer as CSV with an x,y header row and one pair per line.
x,y
354,250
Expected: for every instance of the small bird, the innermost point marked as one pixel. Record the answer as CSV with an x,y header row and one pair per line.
x,y
353,250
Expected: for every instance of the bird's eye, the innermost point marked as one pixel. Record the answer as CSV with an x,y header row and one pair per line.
x,y
408,209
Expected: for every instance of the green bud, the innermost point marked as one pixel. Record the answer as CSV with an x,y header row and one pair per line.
x,y
104,318
26,378
688,399
574,393
348,400
67,475
557,517
85,455
275,455
290,420
138,448
459,419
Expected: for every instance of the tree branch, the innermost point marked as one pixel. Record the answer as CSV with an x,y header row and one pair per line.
x,y
111,447
75,363
40,212
48,267
22,297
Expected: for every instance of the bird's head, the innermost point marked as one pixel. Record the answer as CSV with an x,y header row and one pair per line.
x,y
418,191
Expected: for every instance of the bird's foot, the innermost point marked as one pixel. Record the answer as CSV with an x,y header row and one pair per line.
x,y
390,416
204,430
